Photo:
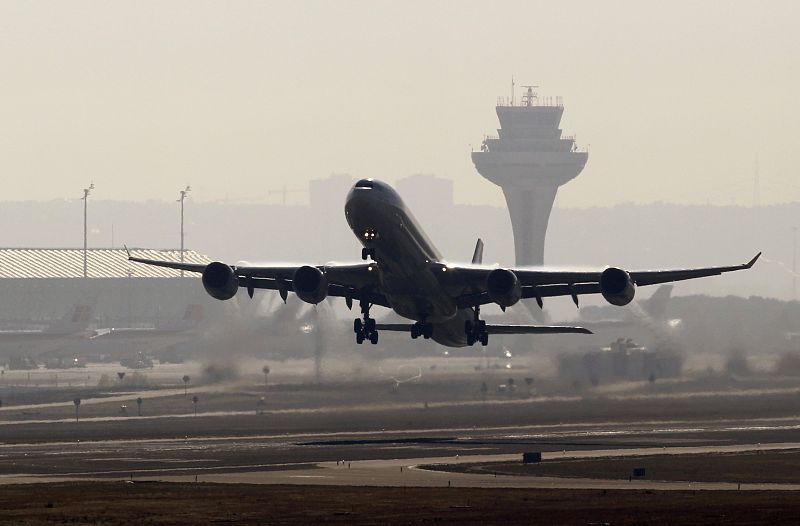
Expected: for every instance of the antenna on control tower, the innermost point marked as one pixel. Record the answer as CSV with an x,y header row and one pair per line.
x,y
530,96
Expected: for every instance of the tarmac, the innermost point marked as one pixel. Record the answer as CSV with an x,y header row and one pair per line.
x,y
407,472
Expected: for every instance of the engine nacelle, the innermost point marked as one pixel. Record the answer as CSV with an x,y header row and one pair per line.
x,y
616,286
503,287
220,281
310,284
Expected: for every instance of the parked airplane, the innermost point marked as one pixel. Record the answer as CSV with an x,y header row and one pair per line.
x,y
408,275
24,348
192,316
75,323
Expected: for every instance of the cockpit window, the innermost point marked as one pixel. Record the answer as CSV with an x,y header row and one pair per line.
x,y
364,183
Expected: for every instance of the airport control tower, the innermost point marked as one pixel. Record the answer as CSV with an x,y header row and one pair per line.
x,y
529,160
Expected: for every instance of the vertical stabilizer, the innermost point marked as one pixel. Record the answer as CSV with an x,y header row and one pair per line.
x,y
74,321
656,305
477,256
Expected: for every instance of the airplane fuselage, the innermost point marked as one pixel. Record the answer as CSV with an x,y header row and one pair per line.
x,y
403,253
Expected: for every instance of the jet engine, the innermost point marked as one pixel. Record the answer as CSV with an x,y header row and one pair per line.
x,y
616,286
220,281
310,284
503,287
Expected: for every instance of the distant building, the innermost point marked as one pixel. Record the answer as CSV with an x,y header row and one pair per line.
x,y
326,196
426,192
622,360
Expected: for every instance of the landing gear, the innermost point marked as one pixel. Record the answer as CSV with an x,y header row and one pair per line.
x,y
365,328
422,329
367,253
476,330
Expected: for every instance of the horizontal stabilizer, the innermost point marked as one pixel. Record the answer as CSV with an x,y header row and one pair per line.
x,y
536,329
399,327
501,329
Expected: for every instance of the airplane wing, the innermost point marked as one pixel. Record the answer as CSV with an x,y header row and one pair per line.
x,y
346,280
542,283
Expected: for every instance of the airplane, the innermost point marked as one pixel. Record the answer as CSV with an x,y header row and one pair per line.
x,y
75,323
405,272
22,348
192,317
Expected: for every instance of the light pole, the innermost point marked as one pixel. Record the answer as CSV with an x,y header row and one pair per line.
x,y
86,192
181,199
794,263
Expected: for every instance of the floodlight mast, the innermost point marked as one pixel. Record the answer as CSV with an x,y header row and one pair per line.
x,y
86,192
181,199
794,263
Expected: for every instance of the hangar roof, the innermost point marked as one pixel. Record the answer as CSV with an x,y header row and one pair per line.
x,y
33,263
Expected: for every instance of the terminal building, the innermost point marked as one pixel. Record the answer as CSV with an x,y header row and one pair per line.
x,y
42,285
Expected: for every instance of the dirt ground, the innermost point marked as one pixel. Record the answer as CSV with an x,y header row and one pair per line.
x,y
750,467
116,503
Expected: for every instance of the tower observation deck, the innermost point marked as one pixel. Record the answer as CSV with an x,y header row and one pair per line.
x,y
529,159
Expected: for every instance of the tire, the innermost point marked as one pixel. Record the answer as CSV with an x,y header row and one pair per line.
x,y
470,339
365,253
373,338
357,325
427,331
414,332
360,338
485,339
369,327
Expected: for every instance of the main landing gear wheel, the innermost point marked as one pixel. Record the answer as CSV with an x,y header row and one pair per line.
x,y
476,330
422,329
365,328
367,253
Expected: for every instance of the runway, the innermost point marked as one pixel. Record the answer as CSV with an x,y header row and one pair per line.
x,y
388,459
407,472
371,435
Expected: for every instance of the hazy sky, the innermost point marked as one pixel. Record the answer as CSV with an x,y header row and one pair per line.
x,y
676,100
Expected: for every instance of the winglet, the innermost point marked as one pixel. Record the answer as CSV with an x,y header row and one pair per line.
x,y
127,251
477,256
752,261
